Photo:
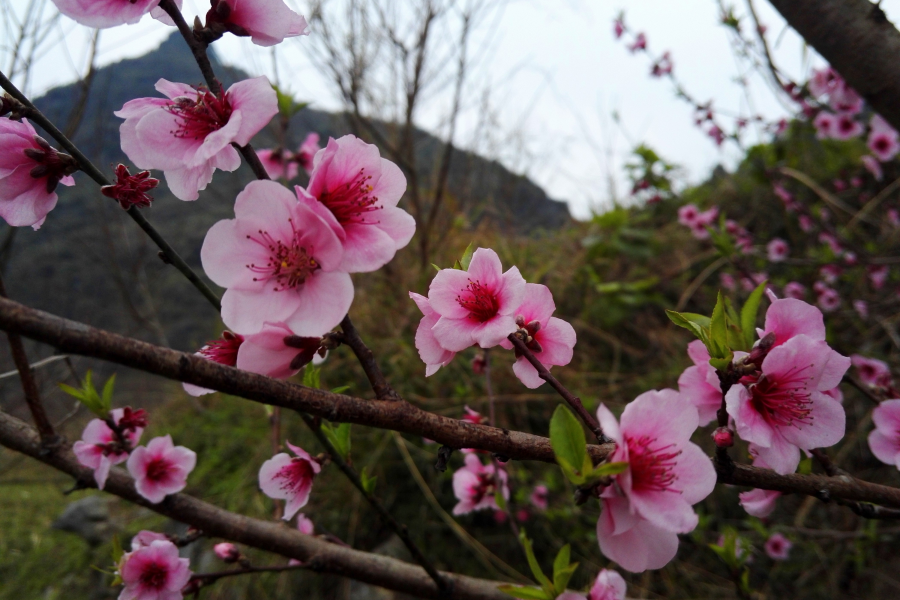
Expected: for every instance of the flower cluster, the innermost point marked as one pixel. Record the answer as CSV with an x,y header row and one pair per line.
x,y
153,570
282,164
482,306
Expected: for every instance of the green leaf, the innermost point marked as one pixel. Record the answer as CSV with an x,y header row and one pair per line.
x,y
117,550
340,389
749,312
339,437
546,584
718,329
368,483
696,324
467,256
526,593
106,396
311,376
436,268
605,469
562,570
569,444
500,499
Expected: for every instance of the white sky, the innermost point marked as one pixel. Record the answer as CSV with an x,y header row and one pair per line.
x,y
559,77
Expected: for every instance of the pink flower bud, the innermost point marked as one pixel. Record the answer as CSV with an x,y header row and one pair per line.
x,y
227,552
723,437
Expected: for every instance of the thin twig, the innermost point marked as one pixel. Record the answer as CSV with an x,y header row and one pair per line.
x,y
29,386
35,365
380,385
210,578
398,528
863,509
171,256
198,49
568,396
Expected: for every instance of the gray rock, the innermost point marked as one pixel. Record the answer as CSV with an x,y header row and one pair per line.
x,y
88,518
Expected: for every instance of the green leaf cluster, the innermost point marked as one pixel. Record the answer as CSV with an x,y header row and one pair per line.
x,y
99,403
339,437
570,447
726,330
550,589
287,106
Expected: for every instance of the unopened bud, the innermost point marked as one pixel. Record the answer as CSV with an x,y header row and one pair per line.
x,y
227,552
478,364
723,437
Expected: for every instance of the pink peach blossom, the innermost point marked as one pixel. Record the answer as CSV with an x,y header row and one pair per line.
x,y
618,28
872,371
688,214
430,351
726,280
639,43
862,308
845,101
794,290
878,275
100,14
276,351
144,538
550,339
307,152
778,547
830,273
824,81
700,384
883,143
30,170
154,572
161,468
279,262
777,250
787,318
100,449
266,22
278,163
805,222
759,502
189,135
825,124
877,123
475,484
846,127
539,497
828,299
873,166
884,441
223,351
608,585
784,410
285,478
478,306
473,416
641,518
356,192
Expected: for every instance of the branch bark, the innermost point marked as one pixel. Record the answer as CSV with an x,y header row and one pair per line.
x,y
859,42
316,554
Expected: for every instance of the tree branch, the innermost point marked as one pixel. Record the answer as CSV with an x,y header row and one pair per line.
x,y
94,173
859,42
568,396
316,554
380,385
400,529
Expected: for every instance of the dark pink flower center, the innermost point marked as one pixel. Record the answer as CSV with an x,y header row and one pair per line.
x,y
785,400
295,475
290,264
480,301
155,575
484,488
880,144
202,116
846,125
223,351
651,468
158,469
352,201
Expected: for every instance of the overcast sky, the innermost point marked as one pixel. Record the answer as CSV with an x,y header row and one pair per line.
x,y
559,76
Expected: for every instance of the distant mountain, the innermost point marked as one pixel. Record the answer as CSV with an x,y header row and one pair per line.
x,y
90,263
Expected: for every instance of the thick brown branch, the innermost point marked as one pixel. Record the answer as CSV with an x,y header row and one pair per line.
x,y
171,257
400,529
568,396
198,49
380,385
78,338
316,554
29,385
859,42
